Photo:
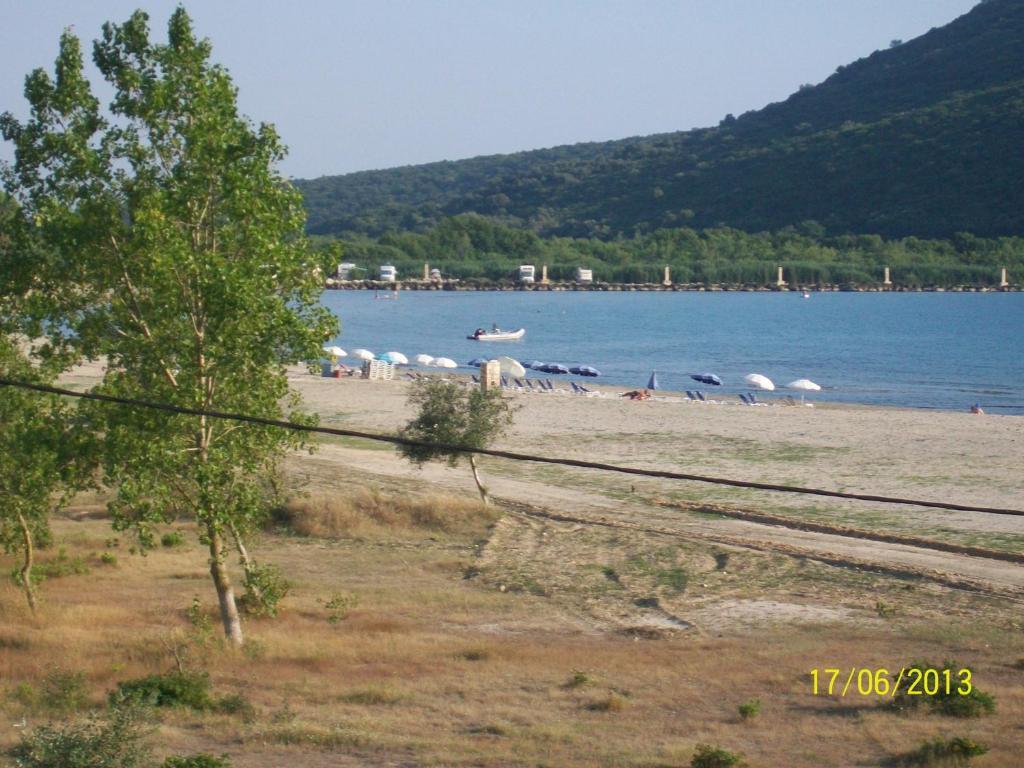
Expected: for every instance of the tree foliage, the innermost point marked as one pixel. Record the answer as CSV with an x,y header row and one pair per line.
x,y
176,252
448,415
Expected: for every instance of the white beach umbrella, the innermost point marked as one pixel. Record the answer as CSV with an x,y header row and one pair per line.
x,y
511,367
445,362
395,357
363,354
424,359
335,352
757,381
804,385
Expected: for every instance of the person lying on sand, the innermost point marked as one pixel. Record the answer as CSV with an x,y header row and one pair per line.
x,y
637,394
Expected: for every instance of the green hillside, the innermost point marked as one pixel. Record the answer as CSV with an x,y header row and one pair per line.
x,y
921,139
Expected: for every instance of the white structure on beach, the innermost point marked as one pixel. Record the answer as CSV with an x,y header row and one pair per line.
x,y
388,273
526,273
584,276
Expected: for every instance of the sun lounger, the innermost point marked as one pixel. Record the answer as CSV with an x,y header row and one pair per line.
x,y
744,399
752,398
584,390
529,385
576,388
476,379
700,396
504,383
690,395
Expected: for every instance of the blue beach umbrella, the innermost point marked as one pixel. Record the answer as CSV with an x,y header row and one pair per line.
x,y
652,383
585,370
554,368
476,362
706,378
534,364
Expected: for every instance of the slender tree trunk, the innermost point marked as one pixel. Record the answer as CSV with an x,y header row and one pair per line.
x,y
476,476
248,564
26,567
225,592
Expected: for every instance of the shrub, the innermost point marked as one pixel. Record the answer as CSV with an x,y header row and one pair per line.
x,y
954,752
64,692
884,610
201,760
176,689
237,704
198,618
750,709
115,742
578,679
108,558
265,587
172,539
339,605
708,756
947,702
611,703
61,565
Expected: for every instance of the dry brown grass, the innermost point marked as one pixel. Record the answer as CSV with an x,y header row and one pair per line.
x,y
434,669
368,512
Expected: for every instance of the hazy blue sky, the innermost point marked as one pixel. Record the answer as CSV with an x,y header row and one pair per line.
x,y
374,84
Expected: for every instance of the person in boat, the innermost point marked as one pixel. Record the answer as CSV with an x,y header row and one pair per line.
x,y
495,328
478,333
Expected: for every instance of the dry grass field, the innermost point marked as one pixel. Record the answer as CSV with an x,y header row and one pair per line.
x,y
477,638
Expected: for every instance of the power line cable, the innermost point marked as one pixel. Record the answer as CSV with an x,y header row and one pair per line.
x,y
513,455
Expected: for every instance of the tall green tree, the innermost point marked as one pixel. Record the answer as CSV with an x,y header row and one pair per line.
x,y
446,415
181,247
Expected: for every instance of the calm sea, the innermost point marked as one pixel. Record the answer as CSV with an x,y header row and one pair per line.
x,y
922,350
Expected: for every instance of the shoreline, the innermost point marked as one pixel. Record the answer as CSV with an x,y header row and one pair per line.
x,y
559,287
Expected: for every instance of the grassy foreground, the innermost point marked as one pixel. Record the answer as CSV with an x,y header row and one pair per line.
x,y
425,631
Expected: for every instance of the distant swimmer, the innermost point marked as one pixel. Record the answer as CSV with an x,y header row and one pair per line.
x,y
976,409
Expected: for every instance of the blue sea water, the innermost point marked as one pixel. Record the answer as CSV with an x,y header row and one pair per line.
x,y
925,350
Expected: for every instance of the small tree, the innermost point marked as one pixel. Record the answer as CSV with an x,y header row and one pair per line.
x,y
450,416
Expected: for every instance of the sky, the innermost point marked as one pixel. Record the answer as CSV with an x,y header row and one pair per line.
x,y
381,83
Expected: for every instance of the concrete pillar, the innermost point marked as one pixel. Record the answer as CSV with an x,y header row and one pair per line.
x,y
888,280
544,274
426,270
490,375
1002,279
668,277
779,281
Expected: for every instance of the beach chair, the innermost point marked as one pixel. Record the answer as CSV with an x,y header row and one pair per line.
x,y
476,379
690,395
529,385
744,399
410,375
575,388
700,396
551,386
752,398
504,383
519,384
584,391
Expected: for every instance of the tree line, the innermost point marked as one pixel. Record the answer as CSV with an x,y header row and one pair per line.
x,y
470,246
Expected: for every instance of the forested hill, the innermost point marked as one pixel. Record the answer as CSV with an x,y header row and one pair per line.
x,y
924,138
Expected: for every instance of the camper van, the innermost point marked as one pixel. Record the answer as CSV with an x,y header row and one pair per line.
x,y
345,270
584,276
526,273
388,273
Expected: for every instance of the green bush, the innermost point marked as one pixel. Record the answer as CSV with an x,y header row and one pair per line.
x,y
707,756
954,752
64,692
118,741
172,539
265,587
947,702
176,689
750,709
236,704
108,558
61,565
339,605
201,760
